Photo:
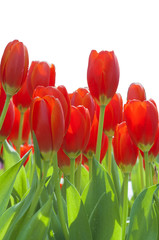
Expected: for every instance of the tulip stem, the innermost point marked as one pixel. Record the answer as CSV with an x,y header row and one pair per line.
x,y
109,154
147,172
141,170
20,131
100,131
4,111
125,204
78,176
59,197
90,168
72,173
38,191
151,178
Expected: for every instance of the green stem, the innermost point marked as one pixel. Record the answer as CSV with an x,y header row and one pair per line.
x,y
20,131
4,111
72,173
151,177
90,168
100,131
147,172
125,204
141,171
109,154
39,190
78,176
59,197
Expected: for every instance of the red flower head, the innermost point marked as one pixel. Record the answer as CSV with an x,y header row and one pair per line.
x,y
155,147
64,162
13,137
142,122
14,67
24,149
40,74
102,76
47,122
22,99
77,135
61,94
9,118
90,149
113,114
83,97
125,151
136,91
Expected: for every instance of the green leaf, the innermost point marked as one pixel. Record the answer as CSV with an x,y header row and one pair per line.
x,y
7,180
37,227
14,215
77,218
143,219
37,154
10,158
84,178
104,220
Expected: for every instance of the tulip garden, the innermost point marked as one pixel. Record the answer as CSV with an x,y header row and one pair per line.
x,y
67,159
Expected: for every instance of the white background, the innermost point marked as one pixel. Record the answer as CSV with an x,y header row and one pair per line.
x,y
65,32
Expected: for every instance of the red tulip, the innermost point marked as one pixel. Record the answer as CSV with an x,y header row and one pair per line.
x,y
40,74
77,135
125,151
142,122
90,149
64,162
61,94
113,114
24,149
14,67
136,91
9,118
102,76
22,99
13,137
47,122
83,97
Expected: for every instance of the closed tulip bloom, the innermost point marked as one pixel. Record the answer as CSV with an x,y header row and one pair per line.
x,y
142,121
90,149
154,151
113,114
47,122
24,149
102,76
61,94
40,74
83,97
9,118
78,132
22,99
13,136
125,151
14,67
136,91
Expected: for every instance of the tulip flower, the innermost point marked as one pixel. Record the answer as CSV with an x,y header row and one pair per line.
x,y
40,74
24,149
13,71
22,99
14,134
136,91
142,121
154,151
9,118
125,153
47,122
77,135
83,97
103,79
61,94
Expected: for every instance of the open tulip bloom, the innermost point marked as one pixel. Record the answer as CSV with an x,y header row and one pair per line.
x,y
67,159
